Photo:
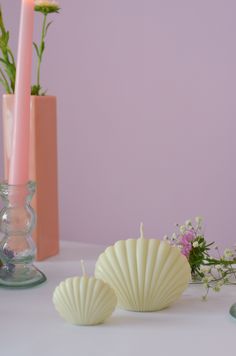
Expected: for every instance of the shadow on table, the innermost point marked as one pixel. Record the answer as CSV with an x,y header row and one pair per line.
x,y
152,319
178,313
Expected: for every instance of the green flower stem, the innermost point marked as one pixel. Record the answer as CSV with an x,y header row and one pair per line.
x,y
5,82
41,49
11,56
213,262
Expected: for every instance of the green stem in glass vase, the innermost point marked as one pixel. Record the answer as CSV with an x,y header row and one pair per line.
x,y
45,8
7,62
42,46
4,82
36,89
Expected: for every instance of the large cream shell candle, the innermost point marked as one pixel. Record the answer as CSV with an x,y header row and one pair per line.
x,y
84,300
146,274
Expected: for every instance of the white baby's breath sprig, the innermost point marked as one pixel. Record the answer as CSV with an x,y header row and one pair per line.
x,y
188,223
198,220
228,253
182,229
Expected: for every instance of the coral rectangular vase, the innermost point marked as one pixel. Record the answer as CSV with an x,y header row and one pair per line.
x,y
42,168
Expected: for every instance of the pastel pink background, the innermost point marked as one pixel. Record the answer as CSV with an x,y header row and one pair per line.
x,y
146,115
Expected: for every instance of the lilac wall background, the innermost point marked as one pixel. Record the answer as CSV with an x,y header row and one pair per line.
x,y
146,115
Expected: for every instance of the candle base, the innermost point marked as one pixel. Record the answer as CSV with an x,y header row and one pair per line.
x,y
21,277
17,249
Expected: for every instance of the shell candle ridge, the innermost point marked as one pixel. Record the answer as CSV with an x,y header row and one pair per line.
x,y
146,274
84,300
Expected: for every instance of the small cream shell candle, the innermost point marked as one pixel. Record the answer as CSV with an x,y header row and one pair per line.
x,y
146,274
84,300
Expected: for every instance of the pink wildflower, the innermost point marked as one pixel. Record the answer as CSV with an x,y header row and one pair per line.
x,y
185,242
186,249
188,236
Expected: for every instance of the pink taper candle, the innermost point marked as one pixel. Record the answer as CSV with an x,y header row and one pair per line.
x,y
19,162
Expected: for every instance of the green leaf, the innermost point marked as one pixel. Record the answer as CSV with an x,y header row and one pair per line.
x,y
2,44
7,59
47,27
7,37
35,89
2,27
4,85
3,61
36,48
42,47
210,244
4,82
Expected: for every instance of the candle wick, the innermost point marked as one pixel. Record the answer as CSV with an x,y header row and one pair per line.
x,y
83,268
141,231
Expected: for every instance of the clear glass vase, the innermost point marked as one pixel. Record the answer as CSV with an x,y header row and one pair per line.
x,y
17,249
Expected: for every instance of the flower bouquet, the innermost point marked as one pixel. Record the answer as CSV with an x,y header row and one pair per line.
x,y
208,265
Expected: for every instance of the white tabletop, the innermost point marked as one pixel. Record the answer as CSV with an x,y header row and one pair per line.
x,y
30,326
